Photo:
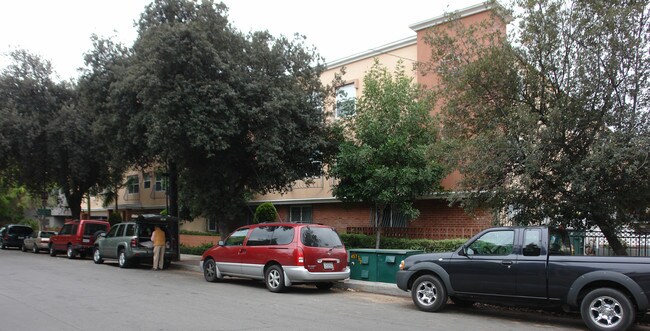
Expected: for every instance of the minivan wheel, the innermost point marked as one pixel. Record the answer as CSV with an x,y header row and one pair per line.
x,y
121,259
97,257
35,249
70,252
428,293
324,286
210,271
607,309
274,279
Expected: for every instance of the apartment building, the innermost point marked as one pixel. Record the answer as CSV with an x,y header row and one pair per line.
x,y
313,201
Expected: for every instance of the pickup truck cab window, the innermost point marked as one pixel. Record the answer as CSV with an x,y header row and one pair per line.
x,y
493,243
532,242
558,243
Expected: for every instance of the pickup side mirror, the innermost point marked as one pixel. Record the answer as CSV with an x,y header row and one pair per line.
x,y
462,251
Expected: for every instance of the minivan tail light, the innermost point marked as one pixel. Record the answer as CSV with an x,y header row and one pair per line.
x,y
134,242
300,259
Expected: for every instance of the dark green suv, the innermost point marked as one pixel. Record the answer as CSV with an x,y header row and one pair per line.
x,y
130,242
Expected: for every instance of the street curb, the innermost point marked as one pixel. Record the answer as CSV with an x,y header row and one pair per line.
x,y
191,263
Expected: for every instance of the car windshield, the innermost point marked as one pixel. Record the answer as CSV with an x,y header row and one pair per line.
x,y
320,237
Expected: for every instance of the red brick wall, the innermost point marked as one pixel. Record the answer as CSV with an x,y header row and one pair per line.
x,y
194,241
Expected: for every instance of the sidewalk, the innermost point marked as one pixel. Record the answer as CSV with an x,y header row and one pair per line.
x,y
191,263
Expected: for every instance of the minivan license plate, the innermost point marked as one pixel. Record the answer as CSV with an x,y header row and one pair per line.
x,y
328,265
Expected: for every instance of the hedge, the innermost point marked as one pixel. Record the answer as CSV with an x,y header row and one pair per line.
x,y
198,233
195,250
365,241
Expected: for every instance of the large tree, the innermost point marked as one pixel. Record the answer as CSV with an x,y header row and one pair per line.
x,y
552,122
47,138
227,114
389,154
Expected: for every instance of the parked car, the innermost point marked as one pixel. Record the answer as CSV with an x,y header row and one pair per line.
x,y
531,266
130,242
13,235
77,238
37,243
281,254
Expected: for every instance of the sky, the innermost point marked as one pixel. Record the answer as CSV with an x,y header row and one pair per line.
x,y
59,31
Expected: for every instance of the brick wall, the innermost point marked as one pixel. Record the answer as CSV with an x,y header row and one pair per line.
x,y
194,241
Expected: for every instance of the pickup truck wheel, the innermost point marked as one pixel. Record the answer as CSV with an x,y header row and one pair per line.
x,y
35,249
428,293
23,248
97,257
210,271
121,259
70,253
607,309
274,279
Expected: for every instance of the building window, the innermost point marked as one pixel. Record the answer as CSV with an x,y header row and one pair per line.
x,y
345,100
391,218
161,183
213,225
300,214
133,184
146,180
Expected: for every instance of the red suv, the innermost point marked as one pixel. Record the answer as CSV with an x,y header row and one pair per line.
x,y
77,237
282,254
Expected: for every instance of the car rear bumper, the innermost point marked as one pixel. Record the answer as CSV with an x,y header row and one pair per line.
x,y
302,275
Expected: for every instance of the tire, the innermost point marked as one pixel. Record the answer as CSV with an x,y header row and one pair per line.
x,y
324,286
607,309
52,251
2,245
429,293
166,263
122,260
23,248
210,271
35,249
97,257
274,279
462,302
70,253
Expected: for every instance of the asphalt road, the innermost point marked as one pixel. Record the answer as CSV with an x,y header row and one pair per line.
x,y
39,292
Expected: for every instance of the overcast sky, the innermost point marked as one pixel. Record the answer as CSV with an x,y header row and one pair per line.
x,y
60,30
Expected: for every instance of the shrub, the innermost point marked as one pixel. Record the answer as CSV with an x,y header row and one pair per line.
x,y
199,233
352,240
195,250
114,218
31,223
265,212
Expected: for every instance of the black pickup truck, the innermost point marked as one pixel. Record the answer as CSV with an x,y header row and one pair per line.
x,y
531,267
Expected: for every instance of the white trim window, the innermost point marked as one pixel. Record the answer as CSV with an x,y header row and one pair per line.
x,y
146,180
161,183
300,214
133,184
345,100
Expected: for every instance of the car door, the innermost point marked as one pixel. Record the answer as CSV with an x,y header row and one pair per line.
x,y
257,251
228,257
109,246
531,266
487,266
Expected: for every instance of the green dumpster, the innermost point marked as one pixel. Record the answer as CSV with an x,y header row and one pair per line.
x,y
377,265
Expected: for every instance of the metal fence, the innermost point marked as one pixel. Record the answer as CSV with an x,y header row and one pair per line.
x,y
595,243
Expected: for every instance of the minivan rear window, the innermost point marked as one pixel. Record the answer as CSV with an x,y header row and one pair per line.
x,y
20,230
320,237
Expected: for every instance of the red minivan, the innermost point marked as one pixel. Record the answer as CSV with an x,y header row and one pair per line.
x,y
77,237
282,254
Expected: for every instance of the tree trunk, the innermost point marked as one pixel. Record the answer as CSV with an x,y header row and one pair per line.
x,y
74,203
173,189
378,219
610,234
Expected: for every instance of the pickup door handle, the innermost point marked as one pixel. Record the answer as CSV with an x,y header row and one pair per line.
x,y
505,262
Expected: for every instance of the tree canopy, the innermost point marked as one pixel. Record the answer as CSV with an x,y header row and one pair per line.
x,y
46,134
552,122
227,114
388,157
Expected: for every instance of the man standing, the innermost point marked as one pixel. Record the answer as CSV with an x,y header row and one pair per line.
x,y
158,238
